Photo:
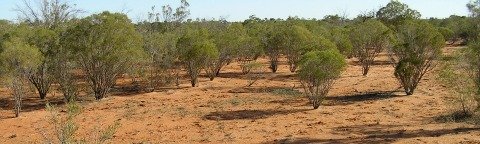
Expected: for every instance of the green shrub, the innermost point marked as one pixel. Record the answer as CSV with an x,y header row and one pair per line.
x,y
447,33
196,52
318,71
419,44
18,60
369,39
105,45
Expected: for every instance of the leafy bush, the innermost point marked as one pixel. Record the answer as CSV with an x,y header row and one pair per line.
x,y
395,13
340,37
419,44
473,58
105,45
447,33
229,42
196,51
19,60
369,39
454,73
296,41
272,43
318,71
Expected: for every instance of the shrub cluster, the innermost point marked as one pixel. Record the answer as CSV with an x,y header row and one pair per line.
x,y
59,48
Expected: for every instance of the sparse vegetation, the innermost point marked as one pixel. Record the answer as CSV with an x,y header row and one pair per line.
x,y
52,48
254,71
454,74
65,127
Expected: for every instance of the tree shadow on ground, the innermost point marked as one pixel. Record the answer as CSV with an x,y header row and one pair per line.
x,y
127,90
362,97
284,78
257,89
249,114
29,104
292,101
375,63
238,75
458,117
374,134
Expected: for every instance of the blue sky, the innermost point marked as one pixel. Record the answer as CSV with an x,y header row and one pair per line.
x,y
238,10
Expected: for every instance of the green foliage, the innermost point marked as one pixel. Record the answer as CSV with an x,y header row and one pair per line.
x,y
18,61
395,13
474,8
447,33
5,28
229,42
318,70
106,45
159,69
297,41
455,75
369,38
272,43
65,127
419,44
196,50
340,36
473,58
19,58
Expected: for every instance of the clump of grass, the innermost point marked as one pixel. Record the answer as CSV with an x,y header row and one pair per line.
x,y
286,92
65,127
235,101
183,112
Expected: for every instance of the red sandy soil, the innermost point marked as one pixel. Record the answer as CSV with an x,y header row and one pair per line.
x,y
358,109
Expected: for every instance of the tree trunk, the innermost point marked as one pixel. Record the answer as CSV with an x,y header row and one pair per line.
x,y
273,66
42,94
365,69
293,68
194,82
316,104
408,90
217,72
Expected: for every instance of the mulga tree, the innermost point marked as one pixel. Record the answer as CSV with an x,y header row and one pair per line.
x,y
19,60
296,41
228,43
272,43
160,34
196,50
105,46
51,18
251,44
395,13
5,28
369,38
318,71
419,45
340,36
